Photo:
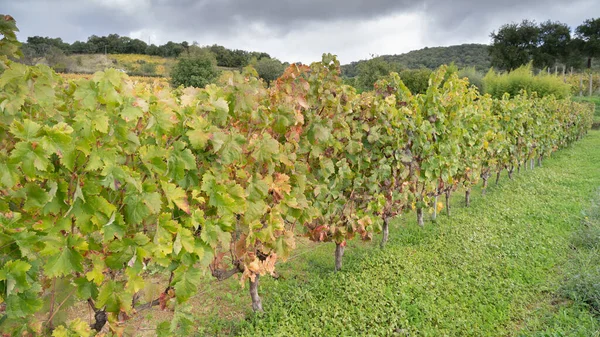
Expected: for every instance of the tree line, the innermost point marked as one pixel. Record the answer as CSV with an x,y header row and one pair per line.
x,y
38,47
547,45
196,66
463,56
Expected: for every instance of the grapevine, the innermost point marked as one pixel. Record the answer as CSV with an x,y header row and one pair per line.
x,y
102,178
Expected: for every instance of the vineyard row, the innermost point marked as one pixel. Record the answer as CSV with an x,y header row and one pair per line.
x,y
102,179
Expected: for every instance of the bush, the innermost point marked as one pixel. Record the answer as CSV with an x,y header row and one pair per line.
x,y
351,81
372,71
57,60
268,69
416,80
148,68
496,84
196,70
475,77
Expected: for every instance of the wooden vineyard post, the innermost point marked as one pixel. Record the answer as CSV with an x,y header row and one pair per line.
x,y
434,216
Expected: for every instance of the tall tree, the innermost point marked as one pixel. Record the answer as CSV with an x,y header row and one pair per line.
x,y
171,49
43,44
371,71
555,39
152,50
269,69
136,46
589,34
514,44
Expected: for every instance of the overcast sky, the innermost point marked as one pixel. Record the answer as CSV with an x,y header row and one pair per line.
x,y
292,30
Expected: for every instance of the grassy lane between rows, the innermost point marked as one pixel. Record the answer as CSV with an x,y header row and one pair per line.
x,y
582,282
498,268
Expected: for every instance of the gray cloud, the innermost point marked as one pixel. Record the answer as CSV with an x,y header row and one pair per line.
x,y
283,15
291,30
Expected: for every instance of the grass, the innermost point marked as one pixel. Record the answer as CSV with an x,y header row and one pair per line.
x,y
579,291
494,269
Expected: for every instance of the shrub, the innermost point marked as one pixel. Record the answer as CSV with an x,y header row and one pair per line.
x,y
268,69
371,71
496,84
351,81
416,80
148,68
475,77
195,70
57,60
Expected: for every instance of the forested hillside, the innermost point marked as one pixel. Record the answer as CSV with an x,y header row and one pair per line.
x,y
134,56
464,55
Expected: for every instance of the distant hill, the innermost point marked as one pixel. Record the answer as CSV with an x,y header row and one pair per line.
x,y
464,55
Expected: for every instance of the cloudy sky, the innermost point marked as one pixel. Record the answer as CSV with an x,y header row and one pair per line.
x,y
292,30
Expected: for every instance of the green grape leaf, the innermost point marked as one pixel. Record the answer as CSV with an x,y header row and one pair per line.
x,y
114,297
186,282
27,131
31,157
15,274
265,148
37,198
23,304
64,263
176,195
131,113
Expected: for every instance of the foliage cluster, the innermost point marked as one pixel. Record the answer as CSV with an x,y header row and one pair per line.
x,y
474,76
497,84
416,80
199,68
195,70
269,69
546,45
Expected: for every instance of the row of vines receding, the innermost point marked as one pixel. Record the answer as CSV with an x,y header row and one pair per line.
x,y
102,179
